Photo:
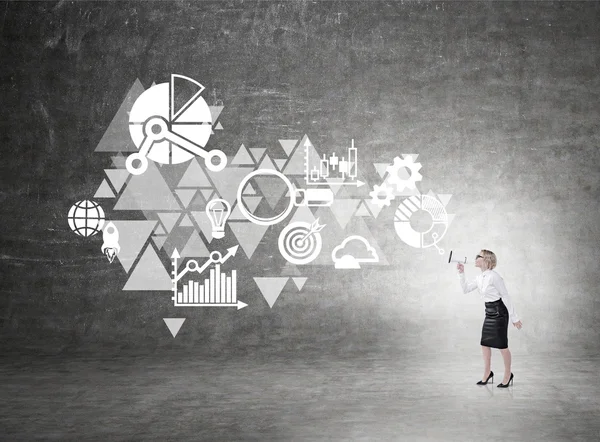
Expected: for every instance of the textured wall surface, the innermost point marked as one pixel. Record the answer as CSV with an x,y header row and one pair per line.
x,y
500,100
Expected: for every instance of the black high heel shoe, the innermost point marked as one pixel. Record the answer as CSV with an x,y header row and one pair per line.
x,y
486,381
508,383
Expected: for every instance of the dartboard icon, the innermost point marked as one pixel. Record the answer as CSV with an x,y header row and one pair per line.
x,y
300,242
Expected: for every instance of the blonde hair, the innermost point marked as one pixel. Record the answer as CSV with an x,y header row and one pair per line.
x,y
489,258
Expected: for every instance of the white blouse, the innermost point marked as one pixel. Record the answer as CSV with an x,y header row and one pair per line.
x,y
491,288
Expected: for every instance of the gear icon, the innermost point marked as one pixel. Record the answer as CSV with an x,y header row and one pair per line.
x,y
377,190
395,169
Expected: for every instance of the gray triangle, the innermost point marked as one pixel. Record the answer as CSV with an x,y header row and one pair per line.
x,y
343,209
186,221
280,163
147,191
271,287
252,202
381,168
257,153
194,176
119,161
149,274
169,219
288,145
104,191
174,324
218,126
299,282
266,163
444,198
236,214
160,230
215,111
248,235
242,157
204,224
290,269
116,138
195,247
159,241
271,187
249,190
132,237
117,177
207,193
185,195
362,211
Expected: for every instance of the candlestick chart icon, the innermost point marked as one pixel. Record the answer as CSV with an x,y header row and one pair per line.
x,y
218,290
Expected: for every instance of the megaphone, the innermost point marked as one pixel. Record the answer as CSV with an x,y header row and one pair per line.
x,y
456,259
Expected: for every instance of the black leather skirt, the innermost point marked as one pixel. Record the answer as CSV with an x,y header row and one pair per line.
x,y
494,332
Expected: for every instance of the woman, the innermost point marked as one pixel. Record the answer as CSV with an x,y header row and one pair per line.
x,y
498,310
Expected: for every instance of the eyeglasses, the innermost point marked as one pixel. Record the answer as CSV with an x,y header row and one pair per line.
x,y
478,256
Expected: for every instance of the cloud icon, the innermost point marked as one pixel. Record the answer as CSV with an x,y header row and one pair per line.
x,y
343,259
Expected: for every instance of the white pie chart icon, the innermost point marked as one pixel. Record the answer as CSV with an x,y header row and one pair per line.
x,y
170,123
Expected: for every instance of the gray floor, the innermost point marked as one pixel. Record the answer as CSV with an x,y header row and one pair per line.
x,y
274,398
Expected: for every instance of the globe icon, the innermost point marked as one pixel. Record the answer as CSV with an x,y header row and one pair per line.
x,y
86,218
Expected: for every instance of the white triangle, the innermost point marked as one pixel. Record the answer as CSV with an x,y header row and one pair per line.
x,y
381,168
218,126
444,198
280,163
299,282
174,324
104,191
257,152
288,145
242,157
271,287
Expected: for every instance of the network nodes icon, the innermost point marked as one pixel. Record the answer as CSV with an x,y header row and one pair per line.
x,y
170,125
86,218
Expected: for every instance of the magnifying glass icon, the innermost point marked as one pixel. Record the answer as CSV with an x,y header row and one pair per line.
x,y
155,130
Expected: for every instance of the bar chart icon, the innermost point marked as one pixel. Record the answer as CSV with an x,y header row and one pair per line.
x,y
219,289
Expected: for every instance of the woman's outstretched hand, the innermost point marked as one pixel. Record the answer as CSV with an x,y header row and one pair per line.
x,y
460,267
518,324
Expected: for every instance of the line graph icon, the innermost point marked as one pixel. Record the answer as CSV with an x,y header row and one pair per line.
x,y
218,290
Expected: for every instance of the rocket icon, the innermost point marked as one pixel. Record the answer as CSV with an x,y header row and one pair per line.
x,y
111,246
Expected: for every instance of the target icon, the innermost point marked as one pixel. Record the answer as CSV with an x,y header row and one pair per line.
x,y
300,242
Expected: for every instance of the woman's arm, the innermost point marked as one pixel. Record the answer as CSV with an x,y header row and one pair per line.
x,y
467,286
499,284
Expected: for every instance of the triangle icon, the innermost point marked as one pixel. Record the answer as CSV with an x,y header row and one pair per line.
x,y
172,173
215,111
362,210
195,247
116,138
186,221
304,214
381,168
251,202
198,203
132,237
149,274
248,235
343,209
185,195
271,287
299,282
104,191
444,198
236,214
168,219
374,208
218,126
194,176
335,184
280,163
148,191
257,152
288,145
266,163
249,190
174,324
297,163
159,241
242,157
271,187
117,177
207,194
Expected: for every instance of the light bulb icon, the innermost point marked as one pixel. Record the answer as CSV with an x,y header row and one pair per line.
x,y
218,210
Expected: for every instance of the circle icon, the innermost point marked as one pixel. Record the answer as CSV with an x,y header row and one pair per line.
x,y
259,220
298,244
86,218
435,217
